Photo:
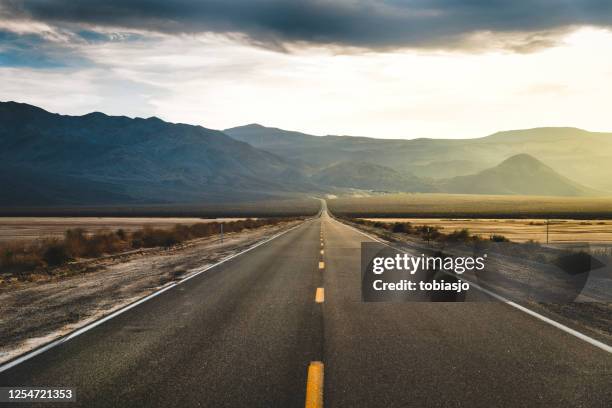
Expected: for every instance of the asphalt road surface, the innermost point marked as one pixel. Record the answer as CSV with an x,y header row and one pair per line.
x,y
244,333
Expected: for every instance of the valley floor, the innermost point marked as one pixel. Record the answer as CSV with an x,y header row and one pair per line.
x,y
598,232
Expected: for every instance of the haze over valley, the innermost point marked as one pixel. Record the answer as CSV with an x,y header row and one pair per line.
x,y
95,159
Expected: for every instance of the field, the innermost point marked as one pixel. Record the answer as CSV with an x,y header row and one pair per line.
x,y
294,207
522,230
26,223
471,206
28,228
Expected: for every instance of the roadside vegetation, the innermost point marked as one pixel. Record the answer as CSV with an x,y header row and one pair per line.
x,y
554,231
427,233
23,260
436,239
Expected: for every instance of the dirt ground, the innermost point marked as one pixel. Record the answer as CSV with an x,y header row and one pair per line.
x,y
522,230
34,313
28,228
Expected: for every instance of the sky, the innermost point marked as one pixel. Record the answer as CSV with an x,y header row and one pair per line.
x,y
379,68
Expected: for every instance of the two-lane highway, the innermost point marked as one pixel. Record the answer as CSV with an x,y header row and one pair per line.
x,y
246,332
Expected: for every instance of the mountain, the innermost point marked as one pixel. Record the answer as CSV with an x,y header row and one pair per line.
x,y
436,158
368,176
50,159
312,151
574,153
520,174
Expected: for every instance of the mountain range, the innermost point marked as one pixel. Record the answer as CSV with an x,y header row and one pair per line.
x,y
51,159
582,156
94,159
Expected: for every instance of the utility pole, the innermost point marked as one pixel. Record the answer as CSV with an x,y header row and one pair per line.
x,y
547,223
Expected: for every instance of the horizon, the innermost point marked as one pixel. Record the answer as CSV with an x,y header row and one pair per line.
x,y
302,132
447,70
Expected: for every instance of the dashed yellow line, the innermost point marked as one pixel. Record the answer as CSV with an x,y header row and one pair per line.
x,y
321,265
320,295
322,252
314,385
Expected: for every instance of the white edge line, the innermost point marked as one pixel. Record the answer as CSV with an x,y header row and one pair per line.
x,y
24,357
523,309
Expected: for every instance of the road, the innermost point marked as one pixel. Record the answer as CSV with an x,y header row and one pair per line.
x,y
245,332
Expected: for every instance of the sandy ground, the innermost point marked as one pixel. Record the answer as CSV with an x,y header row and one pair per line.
x,y
27,228
34,313
521,230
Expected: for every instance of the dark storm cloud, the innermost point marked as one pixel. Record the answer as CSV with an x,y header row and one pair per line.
x,y
371,24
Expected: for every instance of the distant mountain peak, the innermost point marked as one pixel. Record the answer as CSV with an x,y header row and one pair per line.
x,y
250,126
518,174
95,114
548,131
522,159
154,119
12,105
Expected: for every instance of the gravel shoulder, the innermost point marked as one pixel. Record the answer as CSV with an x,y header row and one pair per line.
x,y
34,313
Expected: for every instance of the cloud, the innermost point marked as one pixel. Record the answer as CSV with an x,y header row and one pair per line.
x,y
34,51
34,44
218,83
350,23
79,91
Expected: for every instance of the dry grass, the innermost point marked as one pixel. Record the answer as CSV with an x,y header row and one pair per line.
x,y
471,206
24,260
521,230
28,228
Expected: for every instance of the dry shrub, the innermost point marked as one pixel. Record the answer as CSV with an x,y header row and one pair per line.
x,y
17,258
81,245
461,235
22,259
402,227
498,238
56,254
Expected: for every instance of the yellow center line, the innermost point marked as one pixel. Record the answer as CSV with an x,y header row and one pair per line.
x,y
322,252
321,265
321,244
314,385
320,295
